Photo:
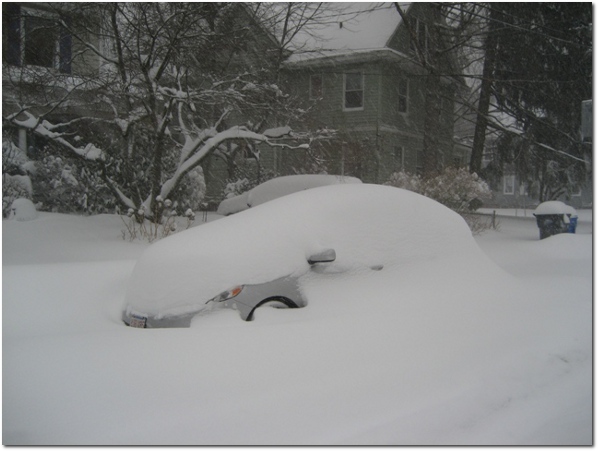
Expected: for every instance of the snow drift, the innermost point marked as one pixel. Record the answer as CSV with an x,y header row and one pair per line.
x,y
447,351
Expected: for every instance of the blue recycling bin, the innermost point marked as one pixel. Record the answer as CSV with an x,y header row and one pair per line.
x,y
554,217
572,224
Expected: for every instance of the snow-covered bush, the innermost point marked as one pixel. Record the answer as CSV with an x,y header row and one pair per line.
x,y
22,210
63,185
59,190
15,160
53,182
16,180
164,221
14,187
456,188
191,193
405,180
235,188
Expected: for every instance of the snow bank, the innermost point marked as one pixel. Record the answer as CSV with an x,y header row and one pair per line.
x,y
22,210
440,352
394,226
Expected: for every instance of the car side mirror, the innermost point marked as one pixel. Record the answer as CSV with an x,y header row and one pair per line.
x,y
325,256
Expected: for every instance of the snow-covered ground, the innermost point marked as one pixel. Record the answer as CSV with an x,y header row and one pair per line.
x,y
434,353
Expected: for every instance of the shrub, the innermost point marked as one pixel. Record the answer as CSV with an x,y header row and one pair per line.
x,y
458,189
14,187
164,222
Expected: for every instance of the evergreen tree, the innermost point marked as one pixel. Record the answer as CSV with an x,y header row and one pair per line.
x,y
542,73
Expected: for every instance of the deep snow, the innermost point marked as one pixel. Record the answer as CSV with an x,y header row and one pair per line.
x,y
440,352
177,275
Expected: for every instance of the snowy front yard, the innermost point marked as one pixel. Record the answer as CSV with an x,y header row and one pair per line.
x,y
438,352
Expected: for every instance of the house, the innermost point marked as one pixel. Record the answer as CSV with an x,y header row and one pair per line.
x,y
365,75
66,64
38,55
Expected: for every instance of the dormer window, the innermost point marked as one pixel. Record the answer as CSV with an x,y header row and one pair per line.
x,y
353,91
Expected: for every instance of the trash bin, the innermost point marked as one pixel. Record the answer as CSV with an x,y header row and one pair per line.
x,y
554,217
572,224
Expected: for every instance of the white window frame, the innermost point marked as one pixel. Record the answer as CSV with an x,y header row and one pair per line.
x,y
27,13
312,96
359,108
508,187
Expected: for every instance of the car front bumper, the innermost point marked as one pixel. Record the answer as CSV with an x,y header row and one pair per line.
x,y
148,322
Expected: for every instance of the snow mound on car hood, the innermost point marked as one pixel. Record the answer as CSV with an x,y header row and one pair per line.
x,y
365,224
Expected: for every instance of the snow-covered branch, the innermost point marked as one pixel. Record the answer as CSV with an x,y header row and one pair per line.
x,y
209,145
46,129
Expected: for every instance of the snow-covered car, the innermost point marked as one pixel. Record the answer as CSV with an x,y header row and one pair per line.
x,y
278,187
269,254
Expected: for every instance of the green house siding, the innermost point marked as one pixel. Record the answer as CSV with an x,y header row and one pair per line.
x,y
382,128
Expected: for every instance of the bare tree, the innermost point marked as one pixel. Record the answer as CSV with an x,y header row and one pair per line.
x,y
176,82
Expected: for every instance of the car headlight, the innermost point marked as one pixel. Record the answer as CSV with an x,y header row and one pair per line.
x,y
228,294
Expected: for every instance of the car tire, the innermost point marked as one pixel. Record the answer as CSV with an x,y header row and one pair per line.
x,y
287,302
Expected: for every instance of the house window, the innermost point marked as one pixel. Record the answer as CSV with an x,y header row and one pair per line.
x,y
40,42
403,91
35,38
315,87
419,31
509,185
353,99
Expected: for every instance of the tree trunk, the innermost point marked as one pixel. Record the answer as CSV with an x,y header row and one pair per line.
x,y
479,137
431,164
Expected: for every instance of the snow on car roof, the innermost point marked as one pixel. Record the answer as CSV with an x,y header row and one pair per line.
x,y
278,187
283,186
366,225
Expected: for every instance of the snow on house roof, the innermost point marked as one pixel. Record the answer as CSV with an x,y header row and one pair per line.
x,y
354,28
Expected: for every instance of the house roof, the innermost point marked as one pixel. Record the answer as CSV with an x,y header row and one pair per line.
x,y
353,31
